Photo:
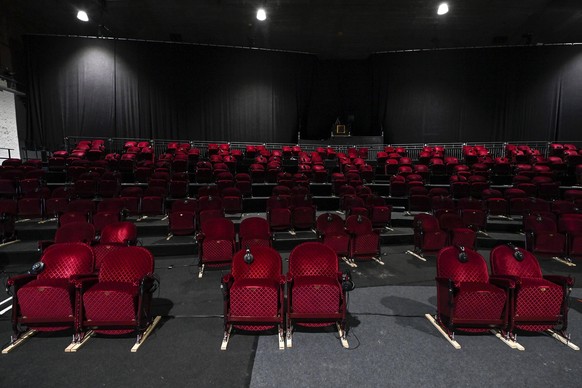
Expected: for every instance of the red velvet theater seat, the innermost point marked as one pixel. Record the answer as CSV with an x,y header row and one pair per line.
x,y
332,233
44,300
216,243
542,236
254,231
114,236
315,296
253,293
80,231
467,298
364,240
459,234
118,301
428,235
278,213
540,302
182,217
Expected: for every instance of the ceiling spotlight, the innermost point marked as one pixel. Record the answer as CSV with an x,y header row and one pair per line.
x,y
82,16
261,14
443,9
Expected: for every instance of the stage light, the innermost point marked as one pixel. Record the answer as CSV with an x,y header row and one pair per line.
x,y
82,16
443,9
261,14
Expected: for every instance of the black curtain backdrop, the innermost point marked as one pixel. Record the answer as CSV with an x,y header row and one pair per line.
x,y
341,90
475,95
120,88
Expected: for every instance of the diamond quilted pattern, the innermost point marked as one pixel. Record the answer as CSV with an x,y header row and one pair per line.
x,y
313,259
316,294
365,245
503,263
473,270
128,264
48,299
66,259
254,298
110,301
538,300
217,250
339,243
315,287
118,233
266,265
102,250
479,301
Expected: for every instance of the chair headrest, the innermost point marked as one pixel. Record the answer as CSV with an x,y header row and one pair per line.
x,y
248,257
517,254
463,257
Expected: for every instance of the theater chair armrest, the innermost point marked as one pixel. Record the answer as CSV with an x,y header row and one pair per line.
x,y
565,281
18,281
289,279
282,280
446,282
515,279
84,280
82,277
200,237
502,282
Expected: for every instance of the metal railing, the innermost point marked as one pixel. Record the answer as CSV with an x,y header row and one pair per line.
x,y
160,146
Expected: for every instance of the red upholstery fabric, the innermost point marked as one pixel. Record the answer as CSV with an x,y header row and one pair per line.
x,y
254,231
331,228
278,213
49,298
254,292
111,305
75,232
315,295
428,235
465,298
539,302
542,235
217,242
364,240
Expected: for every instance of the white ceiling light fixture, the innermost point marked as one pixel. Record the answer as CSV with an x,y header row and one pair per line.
x,y
443,9
82,16
261,14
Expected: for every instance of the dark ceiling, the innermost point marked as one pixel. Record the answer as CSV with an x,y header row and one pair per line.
x,y
333,29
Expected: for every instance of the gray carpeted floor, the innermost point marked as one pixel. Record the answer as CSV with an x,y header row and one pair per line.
x,y
393,344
